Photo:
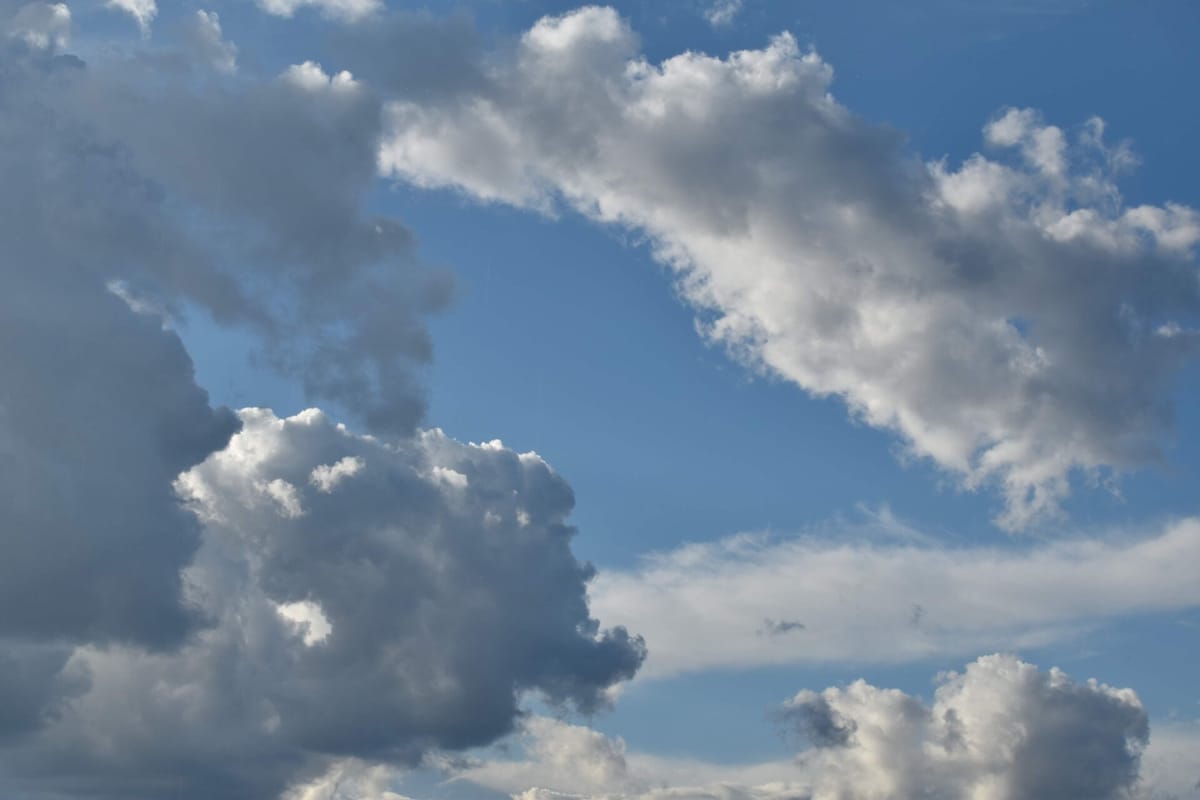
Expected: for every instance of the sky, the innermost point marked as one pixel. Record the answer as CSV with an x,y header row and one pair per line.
x,y
735,399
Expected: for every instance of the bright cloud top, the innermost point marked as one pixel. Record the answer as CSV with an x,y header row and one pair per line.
x,y
761,600
1010,318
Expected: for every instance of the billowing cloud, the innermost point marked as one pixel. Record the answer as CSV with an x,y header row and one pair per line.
x,y
365,622
324,600
856,597
1001,729
1009,317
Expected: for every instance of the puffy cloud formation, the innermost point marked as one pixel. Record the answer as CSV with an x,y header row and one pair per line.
x,y
328,600
1010,318
1001,730
851,596
358,622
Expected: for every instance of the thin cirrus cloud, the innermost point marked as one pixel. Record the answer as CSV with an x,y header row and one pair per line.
x,y
1001,728
1009,317
765,600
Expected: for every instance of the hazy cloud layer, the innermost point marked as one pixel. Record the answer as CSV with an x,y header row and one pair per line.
x,y
400,609
871,599
1001,730
1009,317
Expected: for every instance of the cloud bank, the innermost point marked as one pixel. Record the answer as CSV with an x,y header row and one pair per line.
x,y
1010,318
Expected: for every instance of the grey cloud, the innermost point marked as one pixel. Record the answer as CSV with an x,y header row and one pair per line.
x,y
415,55
98,408
1010,318
443,574
772,627
814,719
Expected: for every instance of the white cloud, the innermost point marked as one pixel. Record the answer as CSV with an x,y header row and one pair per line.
x,y
1000,730
327,476
348,10
206,37
1000,316
43,26
142,11
723,12
864,600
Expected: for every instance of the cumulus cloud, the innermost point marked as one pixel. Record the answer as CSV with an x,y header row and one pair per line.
x,y
865,599
1010,318
396,616
1001,729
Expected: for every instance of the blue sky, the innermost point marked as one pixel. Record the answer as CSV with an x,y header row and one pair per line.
x,y
797,506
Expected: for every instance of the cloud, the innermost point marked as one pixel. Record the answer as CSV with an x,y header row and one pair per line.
x,y
346,10
42,26
262,226
142,11
1001,729
378,619
204,35
99,410
723,12
325,600
1009,317
871,600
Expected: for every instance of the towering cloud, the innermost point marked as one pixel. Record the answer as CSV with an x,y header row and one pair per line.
x,y
1009,317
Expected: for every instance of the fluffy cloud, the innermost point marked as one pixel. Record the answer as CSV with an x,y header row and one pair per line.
x,y
1001,730
355,624
1010,318
856,597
